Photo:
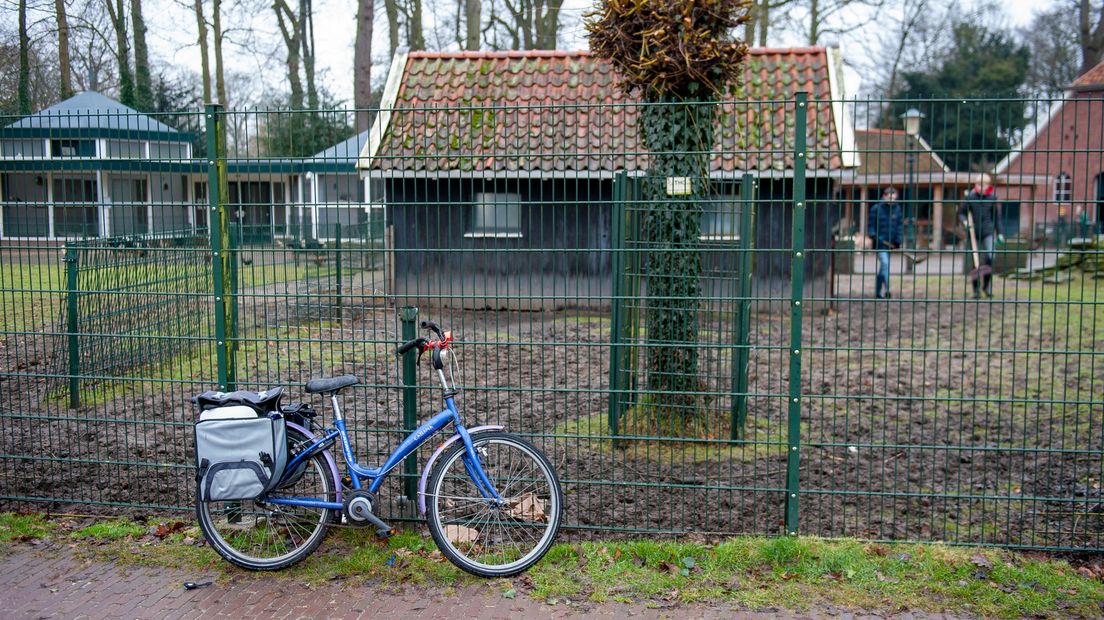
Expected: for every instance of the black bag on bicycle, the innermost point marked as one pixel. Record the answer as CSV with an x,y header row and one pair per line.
x,y
240,454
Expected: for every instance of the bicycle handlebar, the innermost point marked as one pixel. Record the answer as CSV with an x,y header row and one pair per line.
x,y
434,327
406,346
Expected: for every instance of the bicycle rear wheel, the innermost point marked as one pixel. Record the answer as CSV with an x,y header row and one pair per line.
x,y
481,536
263,536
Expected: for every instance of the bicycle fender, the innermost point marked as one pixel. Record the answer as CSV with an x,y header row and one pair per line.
x,y
329,459
437,453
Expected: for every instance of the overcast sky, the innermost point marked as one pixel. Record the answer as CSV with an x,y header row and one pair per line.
x,y
172,37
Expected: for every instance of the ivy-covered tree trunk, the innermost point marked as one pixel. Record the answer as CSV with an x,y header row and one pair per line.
x,y
680,137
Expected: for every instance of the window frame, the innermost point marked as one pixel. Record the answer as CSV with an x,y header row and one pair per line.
x,y
726,204
1063,188
483,200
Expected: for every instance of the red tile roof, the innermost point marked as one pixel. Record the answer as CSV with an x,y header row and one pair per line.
x,y
479,112
886,151
1093,79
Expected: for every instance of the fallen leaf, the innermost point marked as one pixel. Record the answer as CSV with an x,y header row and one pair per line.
x,y
461,534
529,507
164,529
981,561
667,567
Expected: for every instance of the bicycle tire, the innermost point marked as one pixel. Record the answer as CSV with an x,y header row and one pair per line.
x,y
467,539
251,534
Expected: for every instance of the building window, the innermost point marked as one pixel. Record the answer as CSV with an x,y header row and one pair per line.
x,y
129,190
168,150
495,215
1063,188
72,148
74,189
720,219
22,148
124,149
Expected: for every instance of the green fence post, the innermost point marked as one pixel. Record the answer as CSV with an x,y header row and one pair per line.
x,y
337,265
616,304
797,278
409,317
743,308
73,320
217,189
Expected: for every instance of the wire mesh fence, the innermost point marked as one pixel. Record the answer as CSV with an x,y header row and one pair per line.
x,y
266,248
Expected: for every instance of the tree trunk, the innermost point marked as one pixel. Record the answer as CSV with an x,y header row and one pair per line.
x,y
24,62
362,64
220,74
680,137
143,83
122,52
473,16
391,7
204,61
306,24
548,25
763,21
64,63
1091,36
415,33
289,28
814,21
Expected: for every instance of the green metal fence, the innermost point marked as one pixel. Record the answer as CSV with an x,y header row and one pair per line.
x,y
133,278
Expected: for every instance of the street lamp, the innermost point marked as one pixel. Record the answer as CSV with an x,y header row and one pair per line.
x,y
911,120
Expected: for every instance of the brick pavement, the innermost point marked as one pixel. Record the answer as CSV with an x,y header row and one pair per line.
x,y
52,582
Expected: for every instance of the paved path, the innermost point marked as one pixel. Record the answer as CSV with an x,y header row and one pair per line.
x,y
53,583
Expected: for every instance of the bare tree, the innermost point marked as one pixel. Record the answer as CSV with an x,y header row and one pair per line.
x,y
306,37
362,63
220,72
292,33
64,64
391,9
204,59
24,61
1091,32
1055,57
122,51
143,83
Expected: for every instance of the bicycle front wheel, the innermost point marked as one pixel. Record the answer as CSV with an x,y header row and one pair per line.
x,y
485,537
263,536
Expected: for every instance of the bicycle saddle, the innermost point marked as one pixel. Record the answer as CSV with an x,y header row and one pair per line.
x,y
263,402
330,384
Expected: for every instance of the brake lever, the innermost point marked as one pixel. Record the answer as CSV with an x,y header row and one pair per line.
x,y
420,354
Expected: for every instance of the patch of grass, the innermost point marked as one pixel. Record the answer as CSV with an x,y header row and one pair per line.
x,y
796,573
21,527
119,529
31,296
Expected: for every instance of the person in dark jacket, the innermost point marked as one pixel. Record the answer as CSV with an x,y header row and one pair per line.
x,y
885,230
981,203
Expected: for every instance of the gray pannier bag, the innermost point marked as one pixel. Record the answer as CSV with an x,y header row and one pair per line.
x,y
239,454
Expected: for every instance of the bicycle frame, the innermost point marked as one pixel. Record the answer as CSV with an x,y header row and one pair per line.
x,y
450,415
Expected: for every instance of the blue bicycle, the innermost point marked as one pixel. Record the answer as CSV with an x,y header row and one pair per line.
x,y
492,500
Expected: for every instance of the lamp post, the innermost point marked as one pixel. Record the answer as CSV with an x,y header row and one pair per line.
x,y
911,120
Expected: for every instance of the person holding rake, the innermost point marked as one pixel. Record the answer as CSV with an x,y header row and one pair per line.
x,y
980,213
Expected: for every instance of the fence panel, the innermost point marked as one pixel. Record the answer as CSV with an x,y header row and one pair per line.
x,y
536,232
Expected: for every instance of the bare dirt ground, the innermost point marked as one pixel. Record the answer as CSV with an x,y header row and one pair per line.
x,y
926,417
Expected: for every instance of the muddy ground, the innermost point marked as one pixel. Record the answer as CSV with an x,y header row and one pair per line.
x,y
927,417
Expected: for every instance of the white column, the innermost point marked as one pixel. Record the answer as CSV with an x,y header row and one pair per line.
x,y
50,205
103,205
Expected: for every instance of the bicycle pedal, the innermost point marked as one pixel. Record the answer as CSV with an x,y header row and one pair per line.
x,y
385,534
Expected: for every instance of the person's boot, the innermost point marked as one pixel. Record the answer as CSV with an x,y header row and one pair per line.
x,y
988,286
878,287
977,291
